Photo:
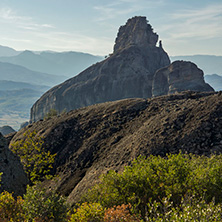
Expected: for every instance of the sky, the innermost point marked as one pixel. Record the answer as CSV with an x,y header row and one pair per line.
x,y
187,27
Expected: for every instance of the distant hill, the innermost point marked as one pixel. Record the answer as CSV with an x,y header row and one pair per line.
x,y
64,63
12,85
7,51
210,64
215,81
15,106
18,73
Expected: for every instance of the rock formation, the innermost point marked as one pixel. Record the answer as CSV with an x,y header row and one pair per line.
x,y
4,130
177,77
92,140
14,178
127,73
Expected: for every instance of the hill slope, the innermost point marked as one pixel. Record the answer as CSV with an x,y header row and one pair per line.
x,y
92,140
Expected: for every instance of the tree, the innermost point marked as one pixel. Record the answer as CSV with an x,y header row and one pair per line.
x,y
37,161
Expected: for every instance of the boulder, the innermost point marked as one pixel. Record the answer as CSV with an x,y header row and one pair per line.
x,y
177,77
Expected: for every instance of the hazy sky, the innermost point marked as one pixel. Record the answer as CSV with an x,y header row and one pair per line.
x,y
186,27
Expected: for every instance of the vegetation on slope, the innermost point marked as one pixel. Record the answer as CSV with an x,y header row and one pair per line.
x,y
179,187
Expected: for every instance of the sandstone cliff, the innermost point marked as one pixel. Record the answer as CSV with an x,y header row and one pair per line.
x,y
92,140
14,178
177,77
127,73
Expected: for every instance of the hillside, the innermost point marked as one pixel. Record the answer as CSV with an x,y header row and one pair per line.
x,y
92,140
63,64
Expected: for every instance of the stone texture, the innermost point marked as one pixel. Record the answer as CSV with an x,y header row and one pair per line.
x,y
95,139
177,77
14,178
127,73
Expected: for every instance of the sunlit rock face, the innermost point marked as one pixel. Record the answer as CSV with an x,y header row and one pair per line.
x,y
177,77
127,73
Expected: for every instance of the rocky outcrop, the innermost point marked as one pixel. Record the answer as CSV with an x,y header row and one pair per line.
x,y
95,139
177,77
127,73
4,130
14,178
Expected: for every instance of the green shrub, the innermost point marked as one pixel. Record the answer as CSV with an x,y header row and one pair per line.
x,y
51,113
88,212
37,162
155,178
190,209
10,208
43,205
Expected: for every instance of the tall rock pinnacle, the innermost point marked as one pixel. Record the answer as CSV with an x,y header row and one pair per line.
x,y
136,32
127,73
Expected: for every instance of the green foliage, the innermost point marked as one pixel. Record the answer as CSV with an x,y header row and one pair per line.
x,y
155,178
37,162
190,209
10,208
43,205
51,113
88,212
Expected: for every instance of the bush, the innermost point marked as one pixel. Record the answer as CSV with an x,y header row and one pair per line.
x,y
190,209
43,205
155,178
88,212
51,113
120,214
37,162
10,208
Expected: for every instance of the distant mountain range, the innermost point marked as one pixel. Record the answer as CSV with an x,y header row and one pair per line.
x,y
12,85
66,64
18,73
26,75
215,81
210,64
7,51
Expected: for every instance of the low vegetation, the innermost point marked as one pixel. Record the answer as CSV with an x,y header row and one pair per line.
x,y
179,187
37,161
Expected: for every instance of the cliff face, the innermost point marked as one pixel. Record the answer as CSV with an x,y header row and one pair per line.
x,y
14,178
127,73
95,139
177,77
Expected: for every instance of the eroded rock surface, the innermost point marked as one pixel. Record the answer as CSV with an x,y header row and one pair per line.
x,y
127,73
14,178
177,77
